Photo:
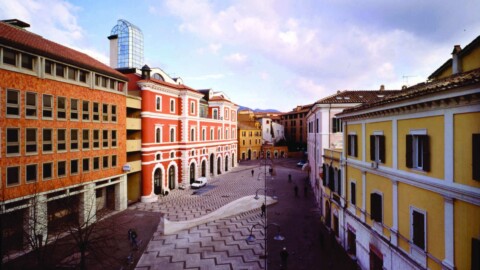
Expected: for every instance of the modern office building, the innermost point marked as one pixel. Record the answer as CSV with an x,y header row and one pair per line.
x,y
126,46
62,134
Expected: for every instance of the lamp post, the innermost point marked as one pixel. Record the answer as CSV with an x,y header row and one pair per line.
x,y
278,237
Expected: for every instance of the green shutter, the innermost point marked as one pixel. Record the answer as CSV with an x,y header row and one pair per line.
x,y
382,149
372,147
408,152
476,156
426,153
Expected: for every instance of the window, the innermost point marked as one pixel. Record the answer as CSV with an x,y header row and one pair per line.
x,y
112,84
47,138
114,161
353,193
86,110
105,112
59,70
31,140
74,166
476,157
96,139
376,207
73,139
96,112
105,138
114,138
158,135
219,135
31,173
204,134
13,141
317,126
158,103
82,77
418,152
47,109
352,145
9,57
61,168
211,134
49,67
61,140
113,116
105,162
13,103
47,171
192,135
85,139
13,175
96,163
215,114
27,61
172,105
377,148
336,125
192,107
172,134
61,108
418,228
475,263
71,73
30,105
86,164
73,109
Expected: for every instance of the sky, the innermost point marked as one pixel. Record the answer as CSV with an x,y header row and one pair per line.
x,y
269,54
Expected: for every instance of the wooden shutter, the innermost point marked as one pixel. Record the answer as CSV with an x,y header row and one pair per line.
x,y
353,191
339,178
349,143
426,153
373,213
376,207
372,147
356,146
324,178
476,157
331,178
475,254
381,151
418,229
408,152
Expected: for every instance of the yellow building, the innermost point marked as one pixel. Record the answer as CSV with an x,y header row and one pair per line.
x,y
405,192
249,136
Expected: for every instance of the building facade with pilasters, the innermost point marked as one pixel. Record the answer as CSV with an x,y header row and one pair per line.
x,y
62,134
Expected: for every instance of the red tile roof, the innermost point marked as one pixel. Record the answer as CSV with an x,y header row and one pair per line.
x,y
422,89
27,41
356,96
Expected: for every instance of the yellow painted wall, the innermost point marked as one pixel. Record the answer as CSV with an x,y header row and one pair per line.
x,y
356,175
435,130
447,72
466,226
383,185
433,204
358,129
465,125
386,127
470,61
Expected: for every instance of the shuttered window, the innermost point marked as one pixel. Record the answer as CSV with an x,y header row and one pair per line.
x,y
377,148
331,178
418,229
353,193
418,152
324,178
476,156
376,207
352,145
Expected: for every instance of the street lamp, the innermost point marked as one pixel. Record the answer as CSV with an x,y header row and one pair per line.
x,y
278,237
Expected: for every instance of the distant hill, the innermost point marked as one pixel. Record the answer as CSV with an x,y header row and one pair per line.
x,y
258,110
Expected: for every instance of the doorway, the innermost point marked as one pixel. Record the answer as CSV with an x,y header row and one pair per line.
x,y
171,177
204,168
157,181
192,173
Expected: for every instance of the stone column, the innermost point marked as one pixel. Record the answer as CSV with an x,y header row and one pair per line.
x,y
394,229
87,206
121,200
364,195
36,220
448,262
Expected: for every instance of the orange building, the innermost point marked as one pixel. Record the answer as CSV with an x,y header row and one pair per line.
x,y
186,133
62,134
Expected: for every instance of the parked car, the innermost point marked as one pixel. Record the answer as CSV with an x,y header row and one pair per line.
x,y
200,182
301,163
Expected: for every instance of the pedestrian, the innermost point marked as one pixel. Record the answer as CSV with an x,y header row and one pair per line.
x,y
263,208
253,172
296,190
284,257
305,190
132,237
289,178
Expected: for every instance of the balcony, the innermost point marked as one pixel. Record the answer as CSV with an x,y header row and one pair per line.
x,y
135,103
135,166
134,145
134,123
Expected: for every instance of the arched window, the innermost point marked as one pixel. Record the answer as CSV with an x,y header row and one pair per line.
x,y
172,105
204,134
192,107
215,114
158,104
172,134
211,134
192,135
158,135
219,135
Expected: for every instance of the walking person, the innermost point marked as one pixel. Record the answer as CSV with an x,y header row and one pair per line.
x,y
253,172
289,178
132,237
263,208
284,257
296,190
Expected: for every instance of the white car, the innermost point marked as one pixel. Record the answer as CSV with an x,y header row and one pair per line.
x,y
200,182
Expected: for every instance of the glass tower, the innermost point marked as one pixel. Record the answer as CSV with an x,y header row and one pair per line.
x,y
130,45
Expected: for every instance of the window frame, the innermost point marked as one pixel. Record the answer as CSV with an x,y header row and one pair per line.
x,y
15,106
96,114
418,150
88,165
113,138
31,143
59,175
352,145
172,134
63,141
376,217
96,163
377,147
105,162
51,170
105,110
353,192
158,103
113,161
113,113
19,176
30,107
74,140
105,143
12,143
61,110
46,142
72,167
26,173
85,114
412,227
86,142
96,139
172,105
47,108
74,109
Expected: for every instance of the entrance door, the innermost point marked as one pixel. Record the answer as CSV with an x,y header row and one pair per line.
x,y
192,173
249,154
376,258
212,160
226,163
219,166
171,177
243,156
204,168
111,197
157,181
233,159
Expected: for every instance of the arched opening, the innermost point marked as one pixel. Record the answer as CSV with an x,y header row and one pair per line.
x,y
233,160
249,154
192,173
243,156
268,154
219,166
171,177
157,181
275,154
226,163
282,154
204,168
212,160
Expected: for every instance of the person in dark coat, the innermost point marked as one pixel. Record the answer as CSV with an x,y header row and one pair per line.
x,y
253,172
284,257
263,208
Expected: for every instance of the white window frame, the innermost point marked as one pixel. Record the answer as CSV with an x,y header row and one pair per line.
x,y
352,144
73,131
86,141
105,113
45,108
96,114
204,134
74,110
86,113
113,113
419,254
158,134
192,134
172,138
192,107
64,141
105,143
113,137
212,133
215,114
12,105
64,109
96,140
33,107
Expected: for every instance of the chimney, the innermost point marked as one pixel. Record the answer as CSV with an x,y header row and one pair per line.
x,y
382,87
456,61
146,72
404,87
